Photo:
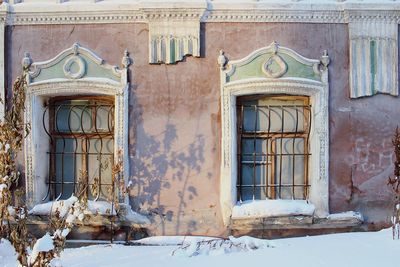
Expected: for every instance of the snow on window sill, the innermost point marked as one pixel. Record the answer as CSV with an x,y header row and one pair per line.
x,y
63,206
94,208
272,208
346,216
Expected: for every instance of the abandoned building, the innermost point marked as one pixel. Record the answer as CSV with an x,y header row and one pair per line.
x,y
259,117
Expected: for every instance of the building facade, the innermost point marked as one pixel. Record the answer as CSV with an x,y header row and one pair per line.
x,y
229,116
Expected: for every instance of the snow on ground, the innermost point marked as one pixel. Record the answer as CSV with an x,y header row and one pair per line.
x,y
171,240
43,244
338,250
8,258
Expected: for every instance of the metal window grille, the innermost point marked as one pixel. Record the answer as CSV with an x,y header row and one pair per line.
x,y
81,136
273,147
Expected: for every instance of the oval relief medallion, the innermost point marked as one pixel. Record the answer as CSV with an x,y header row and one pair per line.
x,y
274,67
74,67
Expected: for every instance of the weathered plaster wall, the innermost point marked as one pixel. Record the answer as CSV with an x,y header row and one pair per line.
x,y
175,116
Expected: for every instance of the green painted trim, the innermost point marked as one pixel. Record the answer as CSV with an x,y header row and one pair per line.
x,y
373,56
93,70
253,69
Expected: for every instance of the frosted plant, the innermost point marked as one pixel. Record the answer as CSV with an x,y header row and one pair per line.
x,y
220,246
13,211
395,183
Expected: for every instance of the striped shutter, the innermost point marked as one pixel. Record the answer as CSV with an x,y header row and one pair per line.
x,y
373,58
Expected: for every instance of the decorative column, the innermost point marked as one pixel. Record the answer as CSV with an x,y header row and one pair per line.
x,y
373,55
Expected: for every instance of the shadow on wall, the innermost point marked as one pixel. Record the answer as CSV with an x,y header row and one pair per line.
x,y
157,162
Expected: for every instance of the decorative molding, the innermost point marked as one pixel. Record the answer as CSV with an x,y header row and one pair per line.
x,y
111,11
68,67
90,17
75,63
373,56
271,53
38,92
269,71
220,15
174,30
173,34
318,91
273,15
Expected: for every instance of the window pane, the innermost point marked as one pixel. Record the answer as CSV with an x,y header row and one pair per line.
x,y
254,168
100,166
103,117
273,115
249,117
291,167
251,145
70,116
83,133
273,136
65,166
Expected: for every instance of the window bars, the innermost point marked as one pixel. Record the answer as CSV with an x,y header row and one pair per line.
x,y
81,133
273,147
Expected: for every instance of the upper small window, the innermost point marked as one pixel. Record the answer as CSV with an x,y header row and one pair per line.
x,y
273,147
81,136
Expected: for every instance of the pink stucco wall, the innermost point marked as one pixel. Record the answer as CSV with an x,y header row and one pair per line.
x,y
175,116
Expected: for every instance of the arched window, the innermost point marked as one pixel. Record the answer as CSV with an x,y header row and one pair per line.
x,y
274,134
77,107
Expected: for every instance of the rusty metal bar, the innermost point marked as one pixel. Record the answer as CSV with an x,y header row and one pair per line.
x,y
75,147
307,156
267,149
281,151
240,126
51,145
82,109
254,150
294,153
271,134
62,154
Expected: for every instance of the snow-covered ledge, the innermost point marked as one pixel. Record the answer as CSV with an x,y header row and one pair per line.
x,y
272,208
238,79
93,209
75,71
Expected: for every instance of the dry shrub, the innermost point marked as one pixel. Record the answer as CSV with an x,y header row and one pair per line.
x,y
13,211
395,183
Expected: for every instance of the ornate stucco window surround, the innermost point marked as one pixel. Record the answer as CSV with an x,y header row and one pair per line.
x,y
75,71
275,70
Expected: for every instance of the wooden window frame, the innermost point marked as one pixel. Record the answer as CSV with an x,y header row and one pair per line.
x,y
270,182
52,105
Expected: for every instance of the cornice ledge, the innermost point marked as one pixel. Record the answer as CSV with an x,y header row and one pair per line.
x,y
30,18
142,12
173,5
173,14
363,15
268,15
4,10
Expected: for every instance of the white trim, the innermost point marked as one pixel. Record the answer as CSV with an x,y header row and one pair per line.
x,y
36,145
317,91
114,11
